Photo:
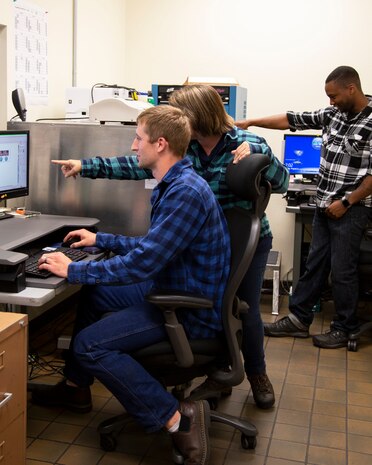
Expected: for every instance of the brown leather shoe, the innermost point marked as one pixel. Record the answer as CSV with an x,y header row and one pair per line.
x,y
262,390
73,398
192,439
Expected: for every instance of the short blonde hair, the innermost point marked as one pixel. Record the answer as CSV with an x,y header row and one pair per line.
x,y
204,107
170,123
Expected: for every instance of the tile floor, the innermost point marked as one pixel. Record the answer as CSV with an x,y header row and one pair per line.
x,y
322,415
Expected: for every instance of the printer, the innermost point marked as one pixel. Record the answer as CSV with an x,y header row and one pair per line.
x,y
118,110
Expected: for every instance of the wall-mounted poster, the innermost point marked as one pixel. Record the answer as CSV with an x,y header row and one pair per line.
x,y
31,51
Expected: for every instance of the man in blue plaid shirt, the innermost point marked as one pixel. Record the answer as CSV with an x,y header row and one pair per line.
x,y
343,207
187,248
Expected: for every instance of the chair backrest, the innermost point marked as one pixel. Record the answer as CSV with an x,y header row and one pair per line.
x,y
245,180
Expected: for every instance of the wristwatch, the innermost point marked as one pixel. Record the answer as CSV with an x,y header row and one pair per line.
x,y
345,202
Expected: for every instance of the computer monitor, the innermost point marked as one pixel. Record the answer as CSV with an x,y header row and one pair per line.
x,y
302,154
14,164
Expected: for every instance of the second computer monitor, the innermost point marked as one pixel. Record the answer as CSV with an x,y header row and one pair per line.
x,y
302,154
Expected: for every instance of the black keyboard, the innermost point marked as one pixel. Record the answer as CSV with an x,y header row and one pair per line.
x,y
32,268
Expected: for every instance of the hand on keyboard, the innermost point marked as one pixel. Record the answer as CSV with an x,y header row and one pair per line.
x,y
44,265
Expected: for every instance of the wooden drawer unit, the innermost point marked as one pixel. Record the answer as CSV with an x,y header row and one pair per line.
x,y
13,388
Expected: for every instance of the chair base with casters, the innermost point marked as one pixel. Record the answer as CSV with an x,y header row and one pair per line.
x,y
352,343
111,428
161,356
180,360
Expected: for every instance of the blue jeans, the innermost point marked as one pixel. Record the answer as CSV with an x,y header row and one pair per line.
x,y
250,291
102,348
334,249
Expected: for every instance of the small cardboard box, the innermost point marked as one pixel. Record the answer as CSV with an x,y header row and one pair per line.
x,y
212,81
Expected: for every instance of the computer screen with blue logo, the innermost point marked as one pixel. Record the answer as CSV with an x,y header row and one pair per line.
x,y
302,154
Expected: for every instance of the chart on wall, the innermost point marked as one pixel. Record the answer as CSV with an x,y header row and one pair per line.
x,y
31,51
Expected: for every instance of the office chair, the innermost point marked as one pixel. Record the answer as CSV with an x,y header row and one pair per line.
x,y
178,361
365,286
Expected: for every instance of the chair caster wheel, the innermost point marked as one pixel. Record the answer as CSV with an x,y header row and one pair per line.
x,y
177,457
213,403
352,345
226,392
108,442
248,442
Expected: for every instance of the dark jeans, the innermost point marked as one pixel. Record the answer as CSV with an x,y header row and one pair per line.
x,y
102,348
250,291
334,249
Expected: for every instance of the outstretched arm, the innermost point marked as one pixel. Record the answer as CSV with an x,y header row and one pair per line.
x,y
268,122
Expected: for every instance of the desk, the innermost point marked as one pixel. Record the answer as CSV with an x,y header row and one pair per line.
x,y
302,217
18,233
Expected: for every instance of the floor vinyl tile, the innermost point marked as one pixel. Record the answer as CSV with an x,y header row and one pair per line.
x,y
358,443
331,395
61,432
328,422
322,414
295,390
287,450
355,458
326,456
41,449
363,428
359,413
333,439
330,408
286,432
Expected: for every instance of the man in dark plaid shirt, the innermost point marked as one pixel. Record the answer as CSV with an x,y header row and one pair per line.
x,y
344,206
187,248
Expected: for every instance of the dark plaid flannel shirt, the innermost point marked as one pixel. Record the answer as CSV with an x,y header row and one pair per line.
x,y
346,156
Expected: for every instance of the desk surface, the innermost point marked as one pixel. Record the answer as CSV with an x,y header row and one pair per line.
x,y
16,232
19,232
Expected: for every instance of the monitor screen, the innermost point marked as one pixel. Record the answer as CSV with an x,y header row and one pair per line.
x,y
14,164
302,153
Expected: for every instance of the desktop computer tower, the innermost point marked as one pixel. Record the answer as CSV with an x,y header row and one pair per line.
x,y
234,98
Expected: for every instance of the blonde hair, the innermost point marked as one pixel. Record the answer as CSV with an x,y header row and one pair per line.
x,y
170,123
204,107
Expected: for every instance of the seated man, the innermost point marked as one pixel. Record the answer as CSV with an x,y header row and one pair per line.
x,y
186,248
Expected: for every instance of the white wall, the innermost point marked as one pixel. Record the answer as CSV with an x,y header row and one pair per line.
x,y
100,53
281,51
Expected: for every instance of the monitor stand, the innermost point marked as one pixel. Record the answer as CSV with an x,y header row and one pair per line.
x,y
309,179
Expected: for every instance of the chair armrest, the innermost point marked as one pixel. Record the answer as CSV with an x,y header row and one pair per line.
x,y
177,299
169,302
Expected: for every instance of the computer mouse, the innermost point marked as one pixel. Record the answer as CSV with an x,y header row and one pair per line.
x,y
70,241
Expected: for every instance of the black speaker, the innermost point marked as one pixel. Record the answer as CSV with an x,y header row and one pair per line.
x,y
12,271
18,99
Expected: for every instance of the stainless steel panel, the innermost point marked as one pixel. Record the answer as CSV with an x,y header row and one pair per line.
x,y
122,206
